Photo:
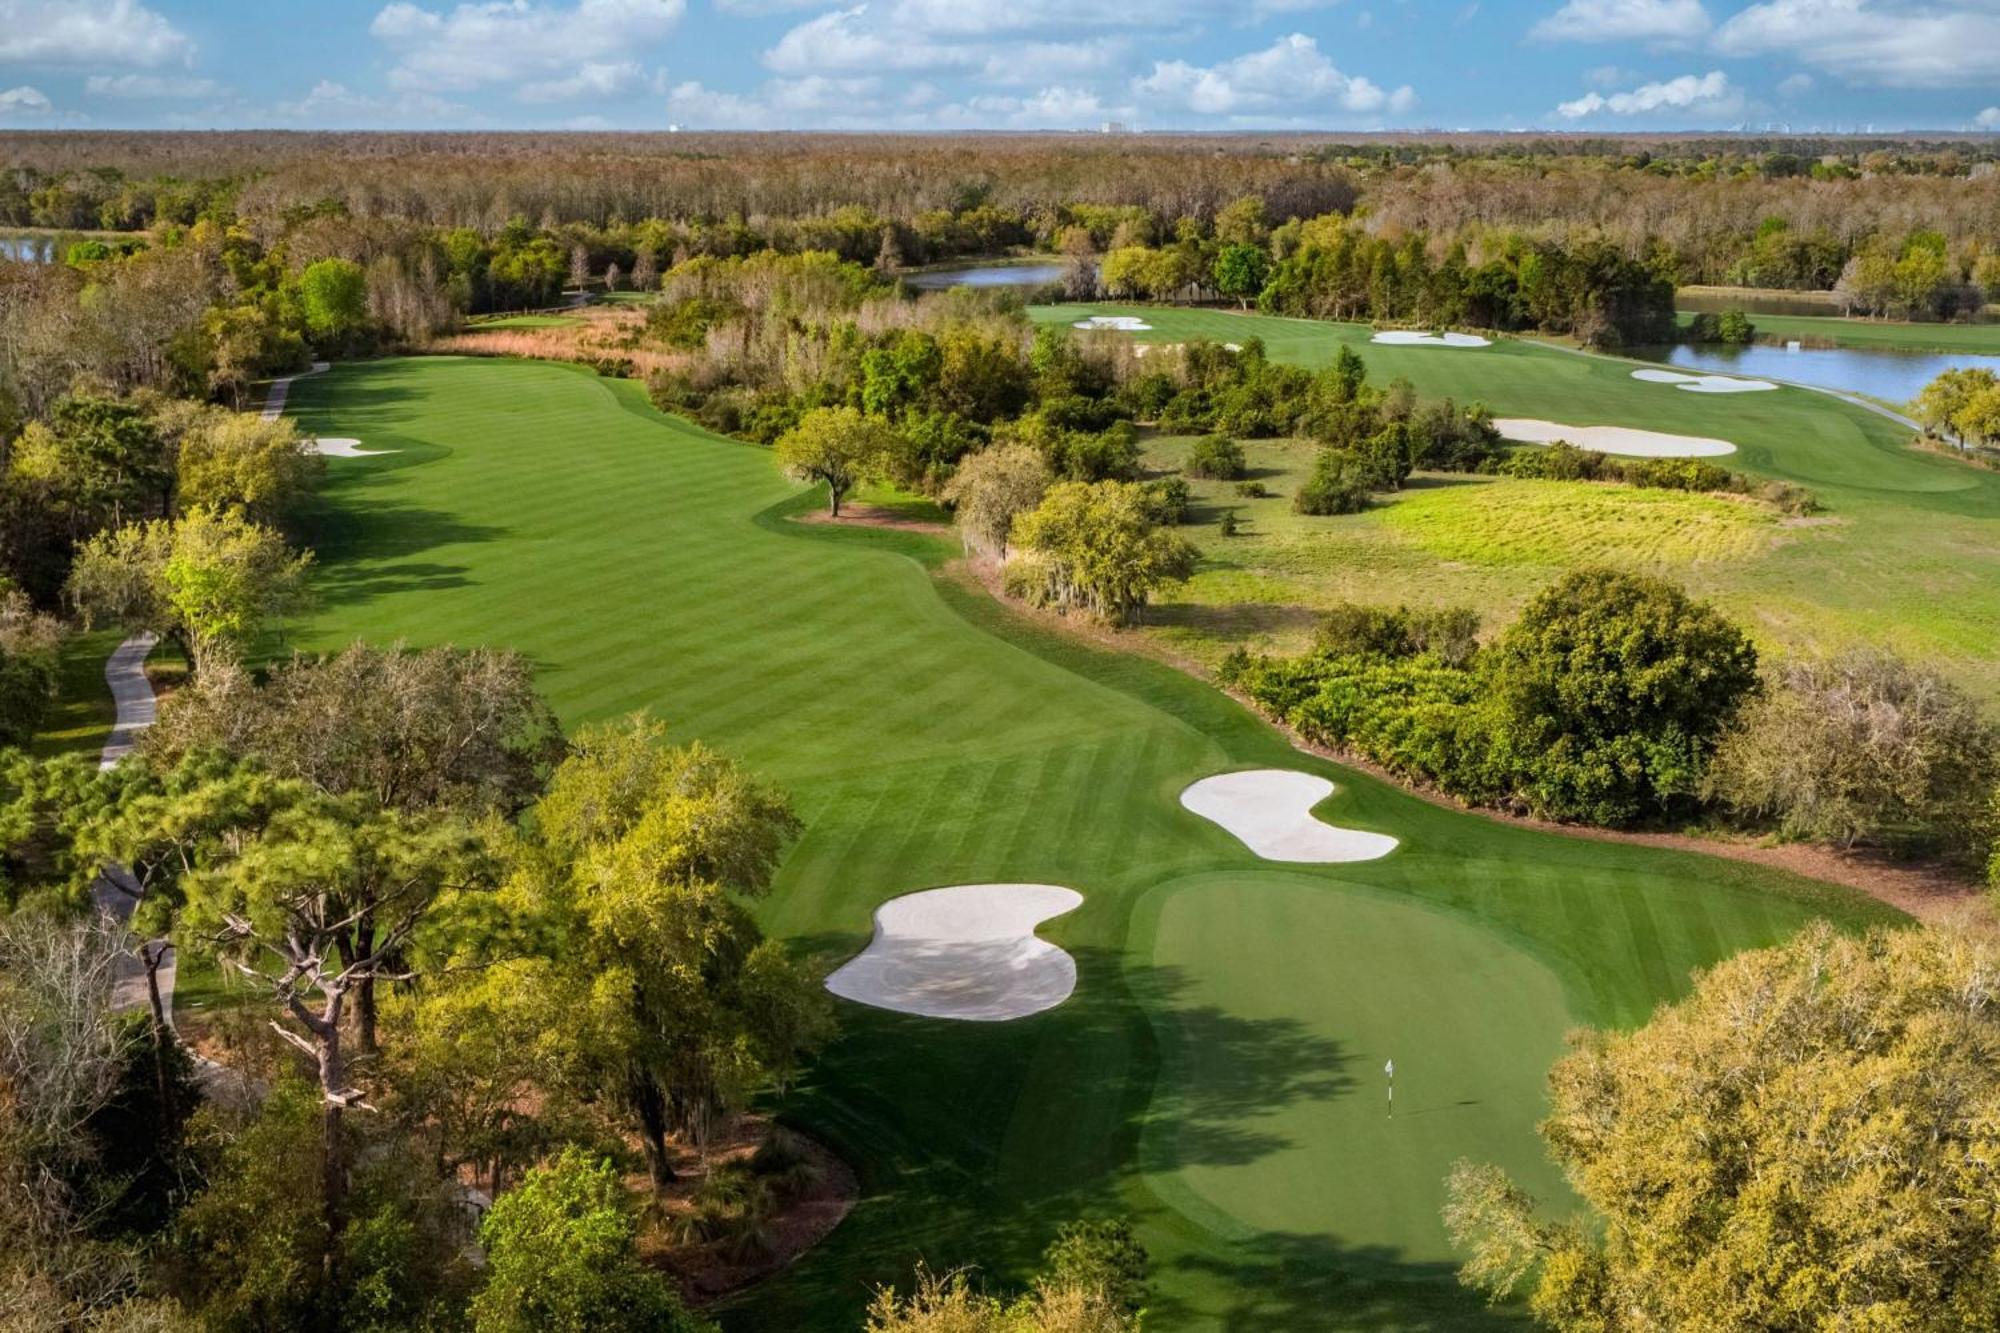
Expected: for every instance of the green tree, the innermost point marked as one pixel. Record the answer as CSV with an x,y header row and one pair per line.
x,y
236,460
1806,1142
990,488
333,297
637,860
836,446
209,580
30,665
1240,271
1093,546
562,1257
1611,689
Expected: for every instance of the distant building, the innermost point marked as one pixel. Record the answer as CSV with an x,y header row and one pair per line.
x,y
1112,127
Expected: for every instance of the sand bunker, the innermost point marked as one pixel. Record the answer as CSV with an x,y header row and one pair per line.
x,y
1122,323
1411,338
334,446
1623,440
967,952
1270,810
1703,383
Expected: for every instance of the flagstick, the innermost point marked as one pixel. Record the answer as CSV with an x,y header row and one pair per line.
x,y
1390,1070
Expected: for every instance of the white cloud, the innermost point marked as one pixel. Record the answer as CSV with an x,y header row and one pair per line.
x,y
1865,41
149,86
1796,85
88,32
845,39
1699,96
1989,119
23,101
542,46
1624,21
1290,77
332,105
591,80
1037,62
1054,108
815,100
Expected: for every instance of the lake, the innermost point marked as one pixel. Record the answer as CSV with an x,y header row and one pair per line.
x,y
1874,372
1023,273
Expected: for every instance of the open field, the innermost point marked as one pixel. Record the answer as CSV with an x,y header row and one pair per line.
x,y
1217,1071
526,322
1906,552
1885,334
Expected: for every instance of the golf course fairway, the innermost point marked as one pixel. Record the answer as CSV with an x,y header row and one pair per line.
x,y
1217,1073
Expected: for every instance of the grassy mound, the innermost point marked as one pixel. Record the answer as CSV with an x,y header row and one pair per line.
x,y
1557,523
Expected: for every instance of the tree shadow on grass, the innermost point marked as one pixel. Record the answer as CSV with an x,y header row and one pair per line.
x,y
1236,620
365,549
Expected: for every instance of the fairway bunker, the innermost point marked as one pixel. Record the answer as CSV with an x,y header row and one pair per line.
x,y
1412,338
1626,441
337,446
1703,383
1270,812
1121,323
967,952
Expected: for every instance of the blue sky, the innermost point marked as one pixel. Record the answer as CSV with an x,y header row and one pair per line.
x,y
1001,64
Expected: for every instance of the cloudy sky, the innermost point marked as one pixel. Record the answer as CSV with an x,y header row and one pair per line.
x,y
1001,64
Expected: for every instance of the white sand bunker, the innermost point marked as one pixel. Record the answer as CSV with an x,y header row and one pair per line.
x,y
338,446
1703,383
1412,338
1122,323
1624,440
966,952
1270,809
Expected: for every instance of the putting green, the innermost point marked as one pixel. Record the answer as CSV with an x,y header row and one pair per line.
x,y
1904,554
930,737
1280,1002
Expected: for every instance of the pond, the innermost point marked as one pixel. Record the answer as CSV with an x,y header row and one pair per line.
x,y
29,249
1021,273
1875,372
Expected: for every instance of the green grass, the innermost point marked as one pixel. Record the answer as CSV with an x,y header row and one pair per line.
x,y
1503,522
1910,556
524,322
81,720
1214,1074
1879,334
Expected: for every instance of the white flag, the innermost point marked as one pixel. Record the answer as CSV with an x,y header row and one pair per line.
x,y
1390,1069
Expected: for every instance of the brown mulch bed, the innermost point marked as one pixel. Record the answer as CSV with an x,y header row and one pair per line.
x,y
1927,893
707,1272
876,516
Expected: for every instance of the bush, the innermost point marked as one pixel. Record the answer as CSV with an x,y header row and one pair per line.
x,y
1612,689
1166,500
1353,630
1217,457
1863,749
1340,484
1253,490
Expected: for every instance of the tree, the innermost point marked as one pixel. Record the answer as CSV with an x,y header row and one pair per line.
x,y
1340,483
30,665
1611,689
95,462
562,1257
1092,1280
837,446
210,580
1808,1141
1215,456
411,729
1240,271
333,298
637,857
236,460
323,895
1940,407
1862,749
990,489
1092,546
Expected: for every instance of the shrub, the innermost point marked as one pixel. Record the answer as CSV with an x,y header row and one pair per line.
x,y
1353,630
1863,749
1217,457
1166,500
1253,490
1612,689
1340,484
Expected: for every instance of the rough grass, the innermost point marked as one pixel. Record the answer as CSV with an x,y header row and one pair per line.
x,y
1552,523
525,322
930,737
1910,556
